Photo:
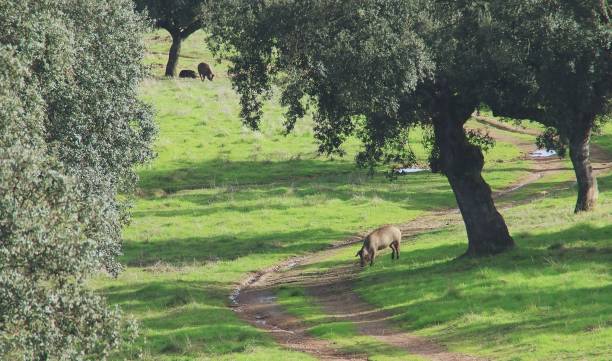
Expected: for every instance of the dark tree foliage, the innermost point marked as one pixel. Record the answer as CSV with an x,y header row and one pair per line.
x,y
71,130
376,69
180,18
554,66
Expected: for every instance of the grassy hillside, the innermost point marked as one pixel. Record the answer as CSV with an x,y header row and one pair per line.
x,y
221,201
546,300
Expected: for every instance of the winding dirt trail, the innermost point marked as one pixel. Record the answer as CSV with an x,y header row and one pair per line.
x,y
255,302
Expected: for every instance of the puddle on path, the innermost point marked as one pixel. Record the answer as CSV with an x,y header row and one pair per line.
x,y
267,299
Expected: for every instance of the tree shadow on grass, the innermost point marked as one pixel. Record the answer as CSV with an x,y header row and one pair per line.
x,y
182,317
304,197
212,173
201,249
416,192
215,173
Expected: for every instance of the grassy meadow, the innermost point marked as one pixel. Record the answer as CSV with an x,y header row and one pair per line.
x,y
549,299
221,201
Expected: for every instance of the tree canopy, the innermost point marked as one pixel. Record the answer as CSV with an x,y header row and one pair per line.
x,y
180,18
374,69
555,68
71,130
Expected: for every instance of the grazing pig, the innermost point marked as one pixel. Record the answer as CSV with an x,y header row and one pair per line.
x,y
387,236
187,74
205,71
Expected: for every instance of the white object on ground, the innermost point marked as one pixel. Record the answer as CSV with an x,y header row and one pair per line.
x,y
543,153
409,170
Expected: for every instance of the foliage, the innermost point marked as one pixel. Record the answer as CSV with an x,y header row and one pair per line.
x,y
560,72
96,125
353,63
183,16
551,140
559,75
72,129
46,255
376,69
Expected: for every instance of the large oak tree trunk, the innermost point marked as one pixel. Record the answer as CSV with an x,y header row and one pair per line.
x,y
462,163
173,55
579,146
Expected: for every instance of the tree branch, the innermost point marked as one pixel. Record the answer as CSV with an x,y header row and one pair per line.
x,y
192,28
163,23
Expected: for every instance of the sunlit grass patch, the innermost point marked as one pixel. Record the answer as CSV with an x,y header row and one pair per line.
x,y
604,137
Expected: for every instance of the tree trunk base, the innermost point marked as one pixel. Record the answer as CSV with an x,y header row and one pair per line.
x,y
173,55
587,183
462,163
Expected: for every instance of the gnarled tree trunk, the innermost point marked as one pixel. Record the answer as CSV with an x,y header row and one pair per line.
x,y
173,55
579,146
462,163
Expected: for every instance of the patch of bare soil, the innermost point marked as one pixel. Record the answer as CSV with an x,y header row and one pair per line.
x,y
334,293
257,305
254,300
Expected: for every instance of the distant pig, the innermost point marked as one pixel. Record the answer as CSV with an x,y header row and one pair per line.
x,y
383,237
205,72
187,74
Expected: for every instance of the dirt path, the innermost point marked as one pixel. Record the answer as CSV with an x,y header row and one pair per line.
x,y
333,291
599,157
257,305
255,300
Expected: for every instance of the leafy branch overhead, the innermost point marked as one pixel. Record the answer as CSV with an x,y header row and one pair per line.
x,y
375,69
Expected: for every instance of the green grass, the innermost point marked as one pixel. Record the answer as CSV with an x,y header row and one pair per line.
x,y
221,201
547,300
604,138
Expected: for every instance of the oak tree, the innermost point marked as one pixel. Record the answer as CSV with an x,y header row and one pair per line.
x,y
180,18
554,66
375,69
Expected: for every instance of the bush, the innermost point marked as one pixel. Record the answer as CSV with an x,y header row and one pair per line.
x,y
71,131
